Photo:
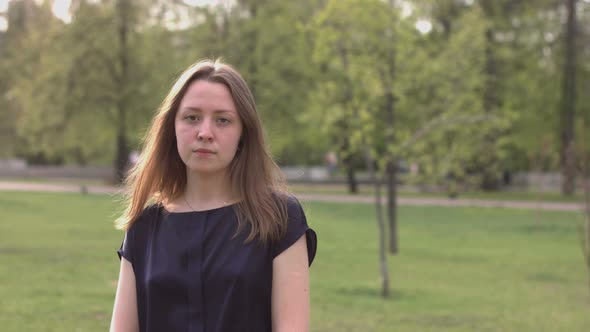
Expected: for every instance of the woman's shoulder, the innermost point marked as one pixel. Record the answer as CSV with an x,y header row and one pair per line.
x,y
148,215
287,198
152,209
297,226
290,203
293,205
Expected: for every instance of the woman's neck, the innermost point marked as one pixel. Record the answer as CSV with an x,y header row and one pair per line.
x,y
205,191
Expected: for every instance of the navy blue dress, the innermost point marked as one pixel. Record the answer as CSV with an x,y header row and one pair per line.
x,y
193,275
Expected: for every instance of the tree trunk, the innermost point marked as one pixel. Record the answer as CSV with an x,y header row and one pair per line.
x,y
586,243
253,70
350,177
122,149
568,102
349,160
588,239
587,200
489,158
584,229
392,206
387,77
391,173
122,158
380,223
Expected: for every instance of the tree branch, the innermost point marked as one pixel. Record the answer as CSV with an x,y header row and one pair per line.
x,y
440,122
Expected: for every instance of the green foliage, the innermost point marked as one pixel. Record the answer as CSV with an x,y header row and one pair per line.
x,y
322,73
454,78
273,50
349,39
438,116
33,69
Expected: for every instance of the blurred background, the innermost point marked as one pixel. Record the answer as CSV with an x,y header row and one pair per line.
x,y
486,93
426,112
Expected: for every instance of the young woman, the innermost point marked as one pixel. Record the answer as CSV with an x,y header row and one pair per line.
x,y
213,242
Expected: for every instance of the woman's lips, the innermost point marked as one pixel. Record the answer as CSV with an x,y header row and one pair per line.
x,y
204,152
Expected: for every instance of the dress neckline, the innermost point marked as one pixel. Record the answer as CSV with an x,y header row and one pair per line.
x,y
196,211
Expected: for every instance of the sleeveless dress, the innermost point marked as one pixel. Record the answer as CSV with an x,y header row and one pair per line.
x,y
194,273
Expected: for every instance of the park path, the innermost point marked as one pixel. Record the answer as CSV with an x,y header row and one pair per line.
x,y
532,205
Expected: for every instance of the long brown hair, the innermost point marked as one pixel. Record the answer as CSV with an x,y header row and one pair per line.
x,y
160,174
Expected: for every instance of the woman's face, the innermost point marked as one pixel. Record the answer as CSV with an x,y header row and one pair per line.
x,y
208,128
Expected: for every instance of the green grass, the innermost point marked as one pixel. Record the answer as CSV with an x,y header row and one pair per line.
x,y
364,190
459,269
70,181
367,190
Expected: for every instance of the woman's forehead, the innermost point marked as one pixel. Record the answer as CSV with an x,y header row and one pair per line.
x,y
208,96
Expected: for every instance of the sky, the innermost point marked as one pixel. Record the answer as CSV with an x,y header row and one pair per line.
x,y
3,8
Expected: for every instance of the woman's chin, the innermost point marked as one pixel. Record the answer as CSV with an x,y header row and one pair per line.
x,y
206,169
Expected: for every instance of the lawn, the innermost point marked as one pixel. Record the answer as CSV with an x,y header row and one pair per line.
x,y
408,192
459,269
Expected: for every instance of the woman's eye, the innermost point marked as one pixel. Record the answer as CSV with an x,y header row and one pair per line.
x,y
223,121
191,118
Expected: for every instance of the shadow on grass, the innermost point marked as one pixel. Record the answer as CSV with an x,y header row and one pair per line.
x,y
546,278
15,251
462,321
460,255
14,204
544,227
375,293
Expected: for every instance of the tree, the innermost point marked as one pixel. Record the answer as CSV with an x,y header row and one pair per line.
x,y
584,169
30,67
503,25
268,42
568,102
20,18
367,48
441,91
347,34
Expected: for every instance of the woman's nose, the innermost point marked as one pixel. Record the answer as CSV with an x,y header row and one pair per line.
x,y
204,131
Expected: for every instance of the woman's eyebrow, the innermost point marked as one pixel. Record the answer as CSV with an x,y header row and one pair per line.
x,y
224,111
196,109
188,108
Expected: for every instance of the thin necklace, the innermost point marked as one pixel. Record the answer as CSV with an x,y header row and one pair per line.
x,y
226,203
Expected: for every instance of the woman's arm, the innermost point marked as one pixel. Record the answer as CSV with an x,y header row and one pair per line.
x,y
125,311
290,289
